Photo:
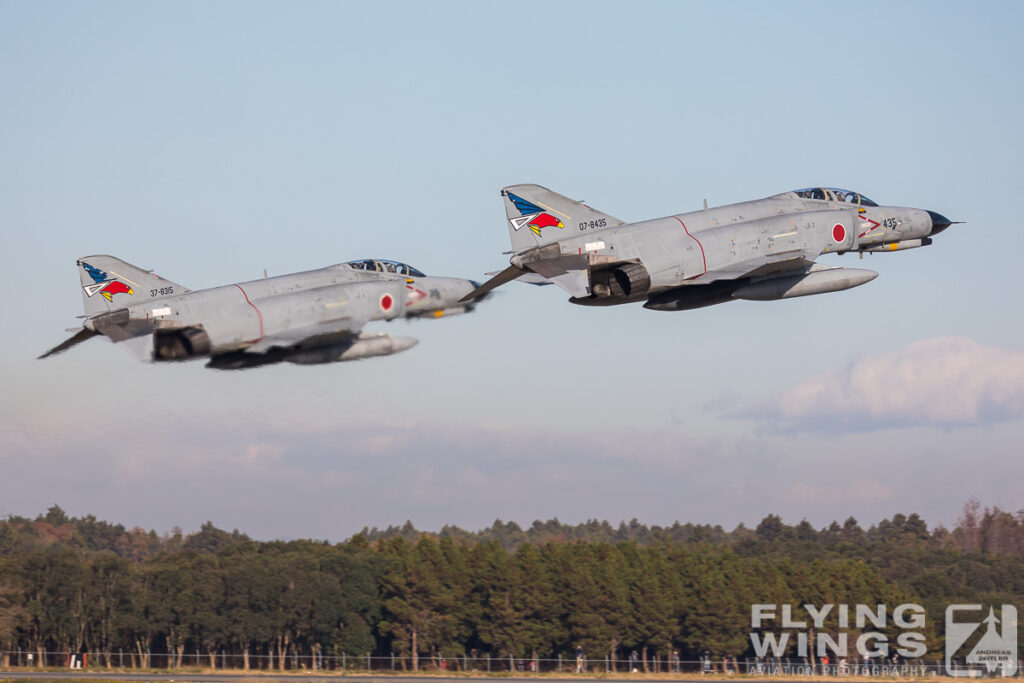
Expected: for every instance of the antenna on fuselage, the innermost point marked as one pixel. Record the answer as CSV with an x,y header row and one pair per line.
x,y
264,273
705,204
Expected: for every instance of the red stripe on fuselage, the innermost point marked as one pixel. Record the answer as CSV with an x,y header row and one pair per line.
x,y
702,257
258,314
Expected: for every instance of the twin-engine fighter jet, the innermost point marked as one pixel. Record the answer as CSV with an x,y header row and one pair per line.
x,y
760,250
310,317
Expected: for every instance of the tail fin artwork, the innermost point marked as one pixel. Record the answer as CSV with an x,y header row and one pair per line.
x,y
537,220
538,216
109,284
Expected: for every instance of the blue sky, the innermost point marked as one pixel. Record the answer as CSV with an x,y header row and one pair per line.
x,y
211,141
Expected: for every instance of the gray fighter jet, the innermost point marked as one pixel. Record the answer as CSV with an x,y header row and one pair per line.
x,y
310,317
760,250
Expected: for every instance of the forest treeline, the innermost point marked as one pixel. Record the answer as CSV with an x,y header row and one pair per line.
x,y
80,584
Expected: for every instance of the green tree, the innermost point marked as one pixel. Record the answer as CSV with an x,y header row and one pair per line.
x,y
108,595
54,581
418,605
13,615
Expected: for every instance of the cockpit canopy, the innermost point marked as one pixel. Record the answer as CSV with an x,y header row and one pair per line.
x,y
834,194
385,266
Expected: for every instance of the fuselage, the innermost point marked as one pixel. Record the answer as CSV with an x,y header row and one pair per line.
x,y
700,247
322,302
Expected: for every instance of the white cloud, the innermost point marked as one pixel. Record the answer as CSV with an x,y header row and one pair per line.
x,y
944,382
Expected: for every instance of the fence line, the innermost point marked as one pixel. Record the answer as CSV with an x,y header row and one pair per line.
x,y
472,662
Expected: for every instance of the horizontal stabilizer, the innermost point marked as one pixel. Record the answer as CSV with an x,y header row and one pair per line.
x,y
507,275
82,335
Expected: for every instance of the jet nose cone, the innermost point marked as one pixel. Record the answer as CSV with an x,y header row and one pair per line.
x,y
939,222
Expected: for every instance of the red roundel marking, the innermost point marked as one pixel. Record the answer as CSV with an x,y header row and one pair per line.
x,y
838,232
386,302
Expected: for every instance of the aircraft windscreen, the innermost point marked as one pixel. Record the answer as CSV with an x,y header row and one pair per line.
x,y
384,266
834,194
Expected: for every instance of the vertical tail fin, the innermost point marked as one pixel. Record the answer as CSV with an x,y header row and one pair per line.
x,y
538,216
109,284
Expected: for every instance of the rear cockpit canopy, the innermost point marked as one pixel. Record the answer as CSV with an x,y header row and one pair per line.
x,y
834,194
385,266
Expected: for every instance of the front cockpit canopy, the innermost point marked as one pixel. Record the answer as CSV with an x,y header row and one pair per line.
x,y
834,194
385,266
